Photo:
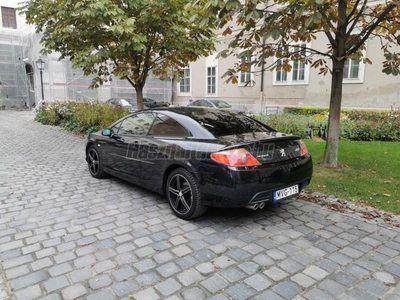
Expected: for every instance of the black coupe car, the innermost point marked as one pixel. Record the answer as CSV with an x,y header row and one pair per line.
x,y
201,158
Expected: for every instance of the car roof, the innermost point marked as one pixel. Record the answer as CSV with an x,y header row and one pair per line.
x,y
184,115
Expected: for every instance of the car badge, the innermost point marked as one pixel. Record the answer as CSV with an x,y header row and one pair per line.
x,y
282,151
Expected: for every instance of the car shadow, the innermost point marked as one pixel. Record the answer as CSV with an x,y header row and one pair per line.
x,y
213,214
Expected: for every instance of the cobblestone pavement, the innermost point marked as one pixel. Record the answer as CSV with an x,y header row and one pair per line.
x,y
66,235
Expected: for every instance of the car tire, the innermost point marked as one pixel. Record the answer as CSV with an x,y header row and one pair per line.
x,y
183,194
95,162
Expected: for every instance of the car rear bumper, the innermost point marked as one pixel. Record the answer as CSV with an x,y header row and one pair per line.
x,y
228,187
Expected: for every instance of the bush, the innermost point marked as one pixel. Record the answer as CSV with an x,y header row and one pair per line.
x,y
388,129
85,117
352,114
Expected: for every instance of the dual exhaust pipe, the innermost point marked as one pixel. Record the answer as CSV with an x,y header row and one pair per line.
x,y
256,206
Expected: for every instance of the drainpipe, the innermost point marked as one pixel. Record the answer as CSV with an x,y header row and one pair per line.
x,y
262,72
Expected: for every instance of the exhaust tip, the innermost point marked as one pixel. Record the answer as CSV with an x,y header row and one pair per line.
x,y
261,205
252,207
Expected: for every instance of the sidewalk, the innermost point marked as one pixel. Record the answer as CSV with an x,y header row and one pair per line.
x,y
66,235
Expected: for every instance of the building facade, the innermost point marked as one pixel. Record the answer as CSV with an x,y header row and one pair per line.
x,y
22,83
365,86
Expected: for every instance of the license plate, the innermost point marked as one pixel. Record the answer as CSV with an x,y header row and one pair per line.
x,y
286,192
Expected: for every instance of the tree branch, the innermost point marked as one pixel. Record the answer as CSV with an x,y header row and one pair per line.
x,y
358,16
372,27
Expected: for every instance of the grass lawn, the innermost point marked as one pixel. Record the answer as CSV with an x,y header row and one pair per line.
x,y
368,172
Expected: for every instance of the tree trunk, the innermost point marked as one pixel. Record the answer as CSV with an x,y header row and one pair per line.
x,y
332,143
139,96
338,60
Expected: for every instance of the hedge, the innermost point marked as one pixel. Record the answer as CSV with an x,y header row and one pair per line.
x,y
358,125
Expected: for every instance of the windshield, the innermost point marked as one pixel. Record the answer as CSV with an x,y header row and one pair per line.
x,y
125,103
221,104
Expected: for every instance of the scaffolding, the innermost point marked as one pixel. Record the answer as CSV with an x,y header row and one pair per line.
x,y
20,80
14,87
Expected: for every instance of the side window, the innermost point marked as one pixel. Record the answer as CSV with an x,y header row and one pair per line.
x,y
166,126
138,124
115,128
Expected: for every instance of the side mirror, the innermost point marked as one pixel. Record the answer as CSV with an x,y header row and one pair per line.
x,y
106,132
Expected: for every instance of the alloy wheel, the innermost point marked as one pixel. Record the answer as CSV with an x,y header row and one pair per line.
x,y
180,194
93,161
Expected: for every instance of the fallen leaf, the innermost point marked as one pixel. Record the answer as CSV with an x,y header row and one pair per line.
x,y
387,195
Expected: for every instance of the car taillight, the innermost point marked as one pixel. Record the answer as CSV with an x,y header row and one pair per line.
x,y
235,158
303,148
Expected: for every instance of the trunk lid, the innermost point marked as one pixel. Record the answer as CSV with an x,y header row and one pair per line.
x,y
266,147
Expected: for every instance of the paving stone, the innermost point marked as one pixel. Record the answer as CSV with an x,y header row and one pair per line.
x,y
258,282
240,291
100,281
290,266
193,294
146,295
384,277
17,261
276,274
168,287
189,277
287,289
80,274
205,268
233,274
60,269
238,255
318,294
250,267
163,257
27,280
148,278
124,288
374,287
344,279
361,294
217,248
74,291
270,295
168,269
214,284
102,295
223,262
315,272
124,273
303,280
56,283
31,292
333,288
104,266
263,260
17,272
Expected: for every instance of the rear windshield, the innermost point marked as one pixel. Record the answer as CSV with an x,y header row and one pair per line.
x,y
221,123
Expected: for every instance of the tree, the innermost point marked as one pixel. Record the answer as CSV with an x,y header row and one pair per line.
x,y
125,38
269,29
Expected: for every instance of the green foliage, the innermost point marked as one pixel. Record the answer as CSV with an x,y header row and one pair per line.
x,y
77,117
368,128
127,39
306,111
352,114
